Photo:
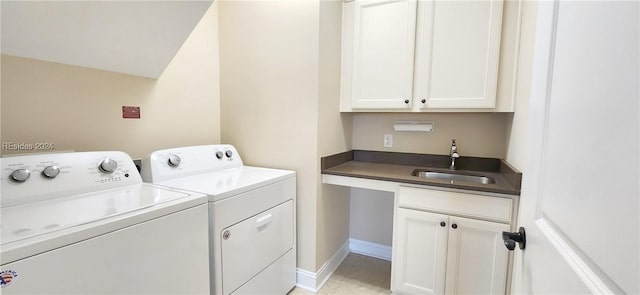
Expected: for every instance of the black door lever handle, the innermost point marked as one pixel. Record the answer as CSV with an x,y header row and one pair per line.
x,y
510,244
510,239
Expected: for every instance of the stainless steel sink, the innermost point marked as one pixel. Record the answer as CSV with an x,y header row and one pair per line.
x,y
428,174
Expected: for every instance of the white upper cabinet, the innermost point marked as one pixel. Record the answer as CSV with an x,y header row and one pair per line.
x,y
384,32
458,49
132,37
426,56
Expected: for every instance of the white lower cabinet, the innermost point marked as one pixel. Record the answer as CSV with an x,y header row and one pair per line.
x,y
476,258
437,253
419,252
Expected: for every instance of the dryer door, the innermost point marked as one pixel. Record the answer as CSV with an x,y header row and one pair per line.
x,y
249,246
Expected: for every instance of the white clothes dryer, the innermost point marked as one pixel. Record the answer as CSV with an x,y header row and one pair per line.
x,y
251,215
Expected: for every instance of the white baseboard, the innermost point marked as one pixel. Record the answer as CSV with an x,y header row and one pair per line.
x,y
306,280
314,281
370,249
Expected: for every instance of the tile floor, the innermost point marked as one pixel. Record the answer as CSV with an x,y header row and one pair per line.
x,y
358,274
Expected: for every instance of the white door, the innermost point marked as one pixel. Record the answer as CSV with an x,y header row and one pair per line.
x,y
580,198
477,258
419,252
384,36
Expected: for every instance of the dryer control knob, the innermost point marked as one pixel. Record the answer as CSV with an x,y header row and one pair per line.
x,y
51,171
174,161
20,175
228,153
107,166
219,155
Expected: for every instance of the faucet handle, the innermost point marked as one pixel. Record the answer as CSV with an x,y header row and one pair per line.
x,y
454,148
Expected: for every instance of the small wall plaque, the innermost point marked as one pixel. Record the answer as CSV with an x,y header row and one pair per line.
x,y
129,112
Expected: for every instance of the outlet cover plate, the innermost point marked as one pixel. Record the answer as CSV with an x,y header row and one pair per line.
x,y
388,140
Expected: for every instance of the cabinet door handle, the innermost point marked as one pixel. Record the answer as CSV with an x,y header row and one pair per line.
x,y
454,226
406,101
423,100
443,224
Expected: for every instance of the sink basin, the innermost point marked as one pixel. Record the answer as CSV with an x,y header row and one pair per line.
x,y
427,174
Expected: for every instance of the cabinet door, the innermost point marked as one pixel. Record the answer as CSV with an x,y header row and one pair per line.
x,y
457,53
384,38
419,252
477,257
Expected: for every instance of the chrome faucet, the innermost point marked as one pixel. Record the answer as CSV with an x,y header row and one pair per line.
x,y
454,154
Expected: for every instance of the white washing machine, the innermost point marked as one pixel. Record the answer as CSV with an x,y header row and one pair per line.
x,y
251,215
85,223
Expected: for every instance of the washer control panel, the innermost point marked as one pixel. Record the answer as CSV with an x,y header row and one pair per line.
x,y
39,177
179,162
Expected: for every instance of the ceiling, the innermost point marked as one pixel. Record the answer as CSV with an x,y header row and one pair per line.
x,y
132,37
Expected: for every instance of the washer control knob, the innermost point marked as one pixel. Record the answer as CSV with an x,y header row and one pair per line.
x,y
219,155
228,153
51,171
174,161
20,175
107,166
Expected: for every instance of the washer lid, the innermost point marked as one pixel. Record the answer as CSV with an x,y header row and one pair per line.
x,y
28,220
223,184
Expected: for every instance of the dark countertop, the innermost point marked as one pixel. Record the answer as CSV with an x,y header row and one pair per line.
x,y
397,167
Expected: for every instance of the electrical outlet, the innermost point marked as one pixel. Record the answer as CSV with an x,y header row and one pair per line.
x,y
388,140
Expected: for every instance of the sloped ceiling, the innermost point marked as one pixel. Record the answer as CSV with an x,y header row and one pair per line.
x,y
132,37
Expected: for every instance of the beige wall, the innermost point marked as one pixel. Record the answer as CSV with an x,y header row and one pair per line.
x,y
269,89
80,109
371,216
479,134
280,89
334,136
518,122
